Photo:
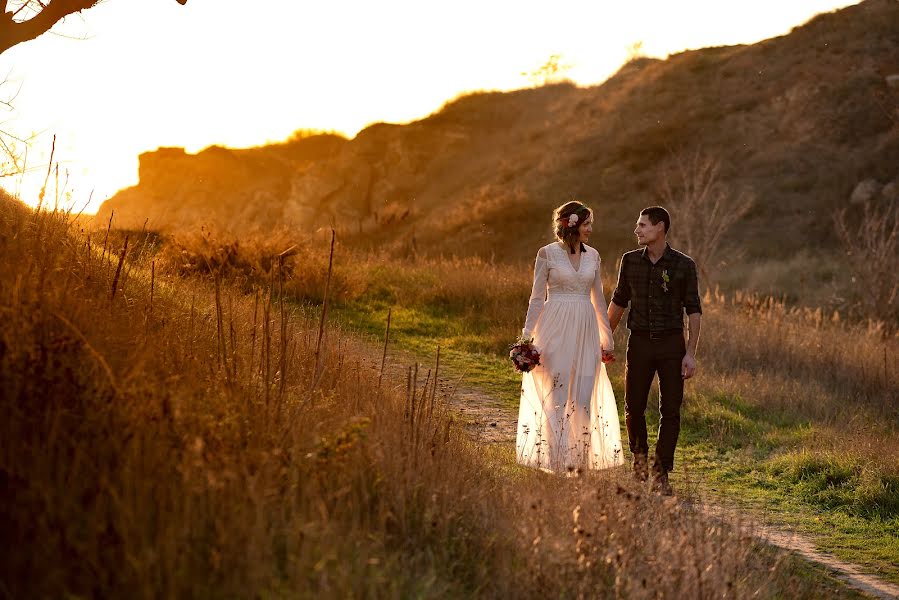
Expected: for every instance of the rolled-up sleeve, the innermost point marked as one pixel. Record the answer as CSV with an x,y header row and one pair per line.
x,y
622,294
692,303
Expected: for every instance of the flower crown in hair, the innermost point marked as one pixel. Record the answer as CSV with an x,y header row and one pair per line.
x,y
572,220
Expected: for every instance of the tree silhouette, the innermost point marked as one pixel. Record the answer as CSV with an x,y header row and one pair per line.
x,y
24,20
870,238
704,206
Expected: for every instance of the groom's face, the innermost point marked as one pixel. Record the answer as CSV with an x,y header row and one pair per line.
x,y
648,233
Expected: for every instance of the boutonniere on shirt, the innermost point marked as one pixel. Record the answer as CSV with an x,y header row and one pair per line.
x,y
665,279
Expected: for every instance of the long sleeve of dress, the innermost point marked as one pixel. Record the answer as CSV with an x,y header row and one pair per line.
x,y
602,311
538,294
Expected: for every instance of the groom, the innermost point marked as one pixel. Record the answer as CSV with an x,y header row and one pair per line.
x,y
659,284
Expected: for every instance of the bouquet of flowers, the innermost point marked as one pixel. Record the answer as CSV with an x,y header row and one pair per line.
x,y
524,355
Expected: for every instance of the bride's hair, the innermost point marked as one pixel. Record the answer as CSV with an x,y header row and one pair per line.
x,y
561,218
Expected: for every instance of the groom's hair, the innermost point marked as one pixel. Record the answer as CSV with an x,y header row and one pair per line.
x,y
656,214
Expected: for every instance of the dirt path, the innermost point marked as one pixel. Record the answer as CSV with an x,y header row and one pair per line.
x,y
487,420
484,417
851,574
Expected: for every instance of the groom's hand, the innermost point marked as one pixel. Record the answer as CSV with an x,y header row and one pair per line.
x,y
608,357
688,366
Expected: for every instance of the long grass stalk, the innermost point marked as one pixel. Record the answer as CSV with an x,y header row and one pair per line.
x,y
219,336
190,327
282,382
434,387
384,353
232,337
321,327
106,238
118,270
43,192
152,284
266,347
253,330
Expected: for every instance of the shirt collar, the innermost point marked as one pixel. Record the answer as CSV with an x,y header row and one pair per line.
x,y
668,253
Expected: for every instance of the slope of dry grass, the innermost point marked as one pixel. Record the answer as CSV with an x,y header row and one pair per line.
x,y
167,436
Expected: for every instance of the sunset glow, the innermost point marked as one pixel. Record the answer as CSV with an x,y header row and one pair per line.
x,y
152,73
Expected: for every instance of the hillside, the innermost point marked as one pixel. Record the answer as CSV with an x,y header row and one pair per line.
x,y
796,121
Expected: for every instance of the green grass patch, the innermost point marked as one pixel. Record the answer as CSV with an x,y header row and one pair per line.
x,y
767,462
843,517
421,330
839,482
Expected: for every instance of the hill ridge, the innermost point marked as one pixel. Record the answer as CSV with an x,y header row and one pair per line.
x,y
797,120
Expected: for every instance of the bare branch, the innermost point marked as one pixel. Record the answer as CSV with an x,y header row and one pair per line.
x,y
13,32
706,208
23,6
49,13
8,102
870,238
28,140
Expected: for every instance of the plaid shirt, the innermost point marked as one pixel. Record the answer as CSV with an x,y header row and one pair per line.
x,y
658,293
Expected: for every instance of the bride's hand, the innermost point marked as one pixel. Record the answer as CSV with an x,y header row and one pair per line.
x,y
608,357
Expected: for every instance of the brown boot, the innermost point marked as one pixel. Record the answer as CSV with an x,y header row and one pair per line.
x,y
660,483
641,467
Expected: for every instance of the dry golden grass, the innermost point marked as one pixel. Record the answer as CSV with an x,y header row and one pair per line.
x,y
850,369
177,447
794,358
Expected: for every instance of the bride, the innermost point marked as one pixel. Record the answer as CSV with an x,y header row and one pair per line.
x,y
568,419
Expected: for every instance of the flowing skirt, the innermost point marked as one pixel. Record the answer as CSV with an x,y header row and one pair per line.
x,y
567,418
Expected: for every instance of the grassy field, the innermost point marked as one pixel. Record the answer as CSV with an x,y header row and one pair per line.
x,y
802,436
172,434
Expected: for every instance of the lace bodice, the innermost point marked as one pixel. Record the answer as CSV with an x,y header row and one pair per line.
x,y
556,277
562,278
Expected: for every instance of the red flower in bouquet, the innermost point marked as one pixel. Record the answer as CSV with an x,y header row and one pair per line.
x,y
524,355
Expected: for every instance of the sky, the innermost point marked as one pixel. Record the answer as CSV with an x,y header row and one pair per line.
x,y
129,76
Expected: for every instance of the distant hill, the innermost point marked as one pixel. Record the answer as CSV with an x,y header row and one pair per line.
x,y
798,121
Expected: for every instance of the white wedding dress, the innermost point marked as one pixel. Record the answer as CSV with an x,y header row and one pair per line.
x,y
568,418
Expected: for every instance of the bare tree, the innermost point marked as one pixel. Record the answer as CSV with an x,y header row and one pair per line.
x,y
24,20
870,238
705,208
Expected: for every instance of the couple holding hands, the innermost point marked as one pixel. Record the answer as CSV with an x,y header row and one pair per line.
x,y
568,418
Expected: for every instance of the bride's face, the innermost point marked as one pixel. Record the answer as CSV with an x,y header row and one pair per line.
x,y
585,229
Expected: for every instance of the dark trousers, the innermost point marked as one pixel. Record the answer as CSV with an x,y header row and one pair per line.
x,y
646,357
